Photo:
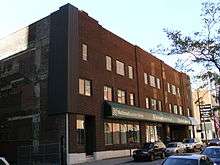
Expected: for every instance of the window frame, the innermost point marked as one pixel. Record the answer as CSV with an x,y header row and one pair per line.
x,y
132,101
119,66
109,89
118,93
130,72
108,63
84,52
83,88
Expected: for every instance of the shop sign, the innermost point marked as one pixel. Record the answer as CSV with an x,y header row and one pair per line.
x,y
124,111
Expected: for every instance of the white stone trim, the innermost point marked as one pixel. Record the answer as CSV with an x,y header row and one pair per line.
x,y
112,154
75,158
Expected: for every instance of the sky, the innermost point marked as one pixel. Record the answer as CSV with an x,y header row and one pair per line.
x,y
141,22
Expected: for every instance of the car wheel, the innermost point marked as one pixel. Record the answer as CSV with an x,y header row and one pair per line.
x,y
163,155
151,158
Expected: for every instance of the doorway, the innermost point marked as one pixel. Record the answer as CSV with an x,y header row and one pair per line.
x,y
90,134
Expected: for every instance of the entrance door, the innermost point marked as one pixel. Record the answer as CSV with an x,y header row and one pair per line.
x,y
90,134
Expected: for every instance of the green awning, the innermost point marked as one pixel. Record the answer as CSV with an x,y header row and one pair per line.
x,y
122,111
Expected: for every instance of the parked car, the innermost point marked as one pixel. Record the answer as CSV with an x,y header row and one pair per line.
x,y
193,145
214,142
175,148
150,151
188,159
213,152
3,161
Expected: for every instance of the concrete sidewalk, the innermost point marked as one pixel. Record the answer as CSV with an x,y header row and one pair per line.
x,y
123,161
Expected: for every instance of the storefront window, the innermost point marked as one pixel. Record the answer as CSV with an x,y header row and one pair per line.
x,y
133,133
80,129
136,133
116,133
108,133
151,133
123,128
129,133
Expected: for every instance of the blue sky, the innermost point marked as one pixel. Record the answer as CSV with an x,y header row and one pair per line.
x,y
140,22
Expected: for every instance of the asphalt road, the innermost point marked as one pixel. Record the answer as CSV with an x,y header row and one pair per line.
x,y
123,161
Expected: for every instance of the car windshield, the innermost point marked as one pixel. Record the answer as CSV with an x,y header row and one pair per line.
x,y
188,141
182,161
171,145
148,145
212,152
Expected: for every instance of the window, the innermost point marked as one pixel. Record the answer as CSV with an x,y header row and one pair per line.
x,y
84,87
168,87
174,89
147,103
116,133
188,112
107,93
180,110
84,52
80,129
178,91
108,63
108,133
136,133
121,96
175,109
145,78
151,133
133,133
153,104
170,108
131,99
152,81
159,105
120,68
158,83
130,72
123,130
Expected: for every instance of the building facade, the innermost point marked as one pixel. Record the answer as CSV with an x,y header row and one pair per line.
x,y
204,97
66,80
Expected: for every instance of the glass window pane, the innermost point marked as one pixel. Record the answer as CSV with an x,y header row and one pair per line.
x,y
105,93
168,87
152,81
136,133
123,128
130,133
159,105
116,134
158,83
108,133
80,129
145,78
87,88
153,104
108,63
170,108
81,86
130,72
131,99
147,103
120,68
110,94
84,52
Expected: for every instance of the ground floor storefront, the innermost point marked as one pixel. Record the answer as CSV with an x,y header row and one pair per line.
x,y
122,129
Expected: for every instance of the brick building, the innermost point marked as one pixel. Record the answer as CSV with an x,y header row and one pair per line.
x,y
67,80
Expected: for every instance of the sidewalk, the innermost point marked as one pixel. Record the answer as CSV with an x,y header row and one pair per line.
x,y
123,161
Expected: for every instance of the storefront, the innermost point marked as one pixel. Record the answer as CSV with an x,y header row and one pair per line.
x,y
127,124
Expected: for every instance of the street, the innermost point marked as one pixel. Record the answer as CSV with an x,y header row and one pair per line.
x,y
125,161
